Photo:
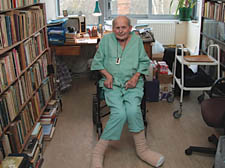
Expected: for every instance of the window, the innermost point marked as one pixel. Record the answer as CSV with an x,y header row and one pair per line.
x,y
143,8
75,7
134,8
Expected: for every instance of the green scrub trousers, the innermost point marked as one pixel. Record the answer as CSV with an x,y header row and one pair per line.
x,y
124,107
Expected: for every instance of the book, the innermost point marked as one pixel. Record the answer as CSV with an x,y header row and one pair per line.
x,y
36,129
36,156
8,29
31,146
49,137
47,129
1,37
52,103
45,121
6,144
56,22
14,135
50,113
39,163
12,161
4,31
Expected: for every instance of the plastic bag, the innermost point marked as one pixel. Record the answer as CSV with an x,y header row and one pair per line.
x,y
157,48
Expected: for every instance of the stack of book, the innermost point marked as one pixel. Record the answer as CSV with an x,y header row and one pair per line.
x,y
70,37
34,146
48,119
56,31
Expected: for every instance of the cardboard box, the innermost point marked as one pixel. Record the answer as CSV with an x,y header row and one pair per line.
x,y
165,78
158,57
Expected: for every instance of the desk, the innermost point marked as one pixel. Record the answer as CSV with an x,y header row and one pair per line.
x,y
148,48
74,48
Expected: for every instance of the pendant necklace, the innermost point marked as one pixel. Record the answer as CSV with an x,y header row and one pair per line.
x,y
118,58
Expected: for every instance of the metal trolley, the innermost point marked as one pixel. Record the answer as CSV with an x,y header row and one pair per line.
x,y
193,60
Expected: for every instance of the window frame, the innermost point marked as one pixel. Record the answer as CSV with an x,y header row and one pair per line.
x,y
108,15
106,4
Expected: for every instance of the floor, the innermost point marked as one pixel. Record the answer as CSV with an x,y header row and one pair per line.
x,y
75,135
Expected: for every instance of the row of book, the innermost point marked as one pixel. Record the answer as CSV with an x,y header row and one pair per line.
x,y
18,130
31,48
13,62
11,107
215,10
9,4
19,24
32,155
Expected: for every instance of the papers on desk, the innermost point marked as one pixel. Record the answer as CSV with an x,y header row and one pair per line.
x,y
86,40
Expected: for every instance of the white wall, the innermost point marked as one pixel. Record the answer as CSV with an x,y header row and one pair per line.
x,y
51,8
193,37
191,34
181,33
188,33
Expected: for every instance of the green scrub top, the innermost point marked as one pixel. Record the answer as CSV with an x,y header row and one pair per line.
x,y
132,59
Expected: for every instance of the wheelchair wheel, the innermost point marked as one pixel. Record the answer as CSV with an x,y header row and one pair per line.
x,y
188,151
94,109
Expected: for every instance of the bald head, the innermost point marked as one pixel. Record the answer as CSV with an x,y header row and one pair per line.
x,y
121,19
122,27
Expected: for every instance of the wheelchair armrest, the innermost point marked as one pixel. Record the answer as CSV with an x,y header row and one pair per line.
x,y
218,88
97,75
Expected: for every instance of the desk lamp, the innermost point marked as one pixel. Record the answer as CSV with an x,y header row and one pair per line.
x,y
97,11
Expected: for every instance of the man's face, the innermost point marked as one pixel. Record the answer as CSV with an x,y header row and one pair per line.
x,y
121,28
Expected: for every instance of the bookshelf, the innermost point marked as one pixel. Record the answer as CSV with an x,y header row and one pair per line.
x,y
213,32
26,88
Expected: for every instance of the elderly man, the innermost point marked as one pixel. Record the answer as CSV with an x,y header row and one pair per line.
x,y
121,59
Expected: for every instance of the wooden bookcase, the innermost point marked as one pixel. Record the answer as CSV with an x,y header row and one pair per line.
x,y
25,85
213,32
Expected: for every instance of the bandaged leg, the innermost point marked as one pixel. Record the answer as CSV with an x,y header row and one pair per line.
x,y
153,158
98,153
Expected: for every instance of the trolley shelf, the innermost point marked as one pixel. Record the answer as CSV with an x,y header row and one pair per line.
x,y
208,60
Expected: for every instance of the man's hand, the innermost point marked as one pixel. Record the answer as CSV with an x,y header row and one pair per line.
x,y
108,83
133,81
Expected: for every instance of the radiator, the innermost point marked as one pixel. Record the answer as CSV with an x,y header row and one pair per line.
x,y
164,31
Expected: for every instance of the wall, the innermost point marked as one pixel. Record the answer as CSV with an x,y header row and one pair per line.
x,y
193,37
188,33
181,33
51,8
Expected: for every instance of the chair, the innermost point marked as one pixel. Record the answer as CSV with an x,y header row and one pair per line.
x,y
213,114
98,105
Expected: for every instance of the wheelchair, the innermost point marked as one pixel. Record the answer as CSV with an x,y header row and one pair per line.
x,y
98,104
